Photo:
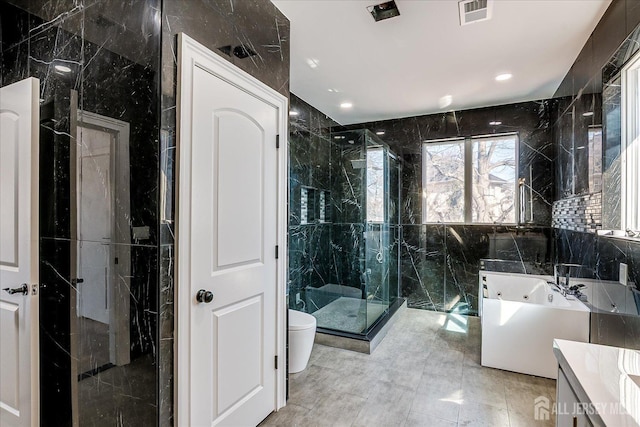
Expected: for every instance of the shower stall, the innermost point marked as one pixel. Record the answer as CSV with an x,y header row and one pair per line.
x,y
353,284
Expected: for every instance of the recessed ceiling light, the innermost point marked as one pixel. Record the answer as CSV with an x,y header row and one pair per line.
x,y
313,63
495,123
503,77
588,114
62,68
293,113
333,90
380,132
346,105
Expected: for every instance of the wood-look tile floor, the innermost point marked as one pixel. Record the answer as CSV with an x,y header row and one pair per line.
x,y
425,372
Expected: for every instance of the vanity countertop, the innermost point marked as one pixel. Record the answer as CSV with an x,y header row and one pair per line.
x,y
606,377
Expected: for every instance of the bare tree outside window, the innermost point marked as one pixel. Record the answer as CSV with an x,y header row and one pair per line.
x,y
494,180
444,181
488,197
375,185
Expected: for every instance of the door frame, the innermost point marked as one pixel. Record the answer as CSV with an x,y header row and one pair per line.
x,y
193,54
120,277
119,339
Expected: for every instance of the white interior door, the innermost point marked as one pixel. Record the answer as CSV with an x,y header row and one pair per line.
x,y
228,233
19,116
94,222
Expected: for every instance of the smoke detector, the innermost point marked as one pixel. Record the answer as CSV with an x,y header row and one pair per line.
x,y
472,11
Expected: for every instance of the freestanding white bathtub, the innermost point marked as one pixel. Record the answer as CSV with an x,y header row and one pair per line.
x,y
521,314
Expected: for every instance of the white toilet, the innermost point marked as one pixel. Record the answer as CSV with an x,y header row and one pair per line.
x,y
302,332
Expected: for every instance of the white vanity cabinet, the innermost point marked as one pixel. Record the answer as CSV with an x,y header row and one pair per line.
x,y
597,385
568,413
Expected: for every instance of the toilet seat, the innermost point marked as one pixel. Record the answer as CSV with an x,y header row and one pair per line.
x,y
299,321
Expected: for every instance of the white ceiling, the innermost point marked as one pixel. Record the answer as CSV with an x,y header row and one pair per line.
x,y
404,66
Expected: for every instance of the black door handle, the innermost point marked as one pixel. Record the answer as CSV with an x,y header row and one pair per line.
x,y
23,289
204,296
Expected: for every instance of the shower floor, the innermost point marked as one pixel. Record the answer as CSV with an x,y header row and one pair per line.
x,y
349,314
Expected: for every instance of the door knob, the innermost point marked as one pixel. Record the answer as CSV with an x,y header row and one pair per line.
x,y
204,296
23,289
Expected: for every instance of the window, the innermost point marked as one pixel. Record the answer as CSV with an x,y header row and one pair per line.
x,y
630,153
470,180
443,181
594,136
375,185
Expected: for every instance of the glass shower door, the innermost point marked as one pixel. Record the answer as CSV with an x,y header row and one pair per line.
x,y
376,272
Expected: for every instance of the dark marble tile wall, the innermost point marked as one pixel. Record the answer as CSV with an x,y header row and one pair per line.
x,y
314,258
615,318
591,85
222,26
439,263
532,122
112,49
343,249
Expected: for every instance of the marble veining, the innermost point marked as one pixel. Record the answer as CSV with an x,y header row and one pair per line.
x,y
438,264
113,67
589,99
122,61
225,27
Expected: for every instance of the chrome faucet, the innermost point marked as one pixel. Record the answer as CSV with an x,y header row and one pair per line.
x,y
556,277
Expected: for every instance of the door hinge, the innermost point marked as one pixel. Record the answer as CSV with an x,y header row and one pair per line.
x,y
276,362
277,141
277,251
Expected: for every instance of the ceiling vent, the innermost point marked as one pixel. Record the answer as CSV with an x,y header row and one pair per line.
x,y
472,11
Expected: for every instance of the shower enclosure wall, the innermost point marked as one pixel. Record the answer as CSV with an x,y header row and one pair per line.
x,y
344,234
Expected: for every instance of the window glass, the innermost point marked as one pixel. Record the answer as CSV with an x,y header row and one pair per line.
x,y
443,181
375,185
631,145
595,158
470,180
494,180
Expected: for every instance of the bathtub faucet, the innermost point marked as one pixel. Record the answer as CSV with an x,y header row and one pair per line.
x,y
556,276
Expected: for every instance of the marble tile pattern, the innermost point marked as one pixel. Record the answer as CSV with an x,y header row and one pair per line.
x,y
343,248
440,262
314,259
113,51
532,121
224,26
426,372
123,61
592,85
600,257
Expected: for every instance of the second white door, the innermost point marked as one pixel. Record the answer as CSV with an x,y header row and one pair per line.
x,y
229,180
